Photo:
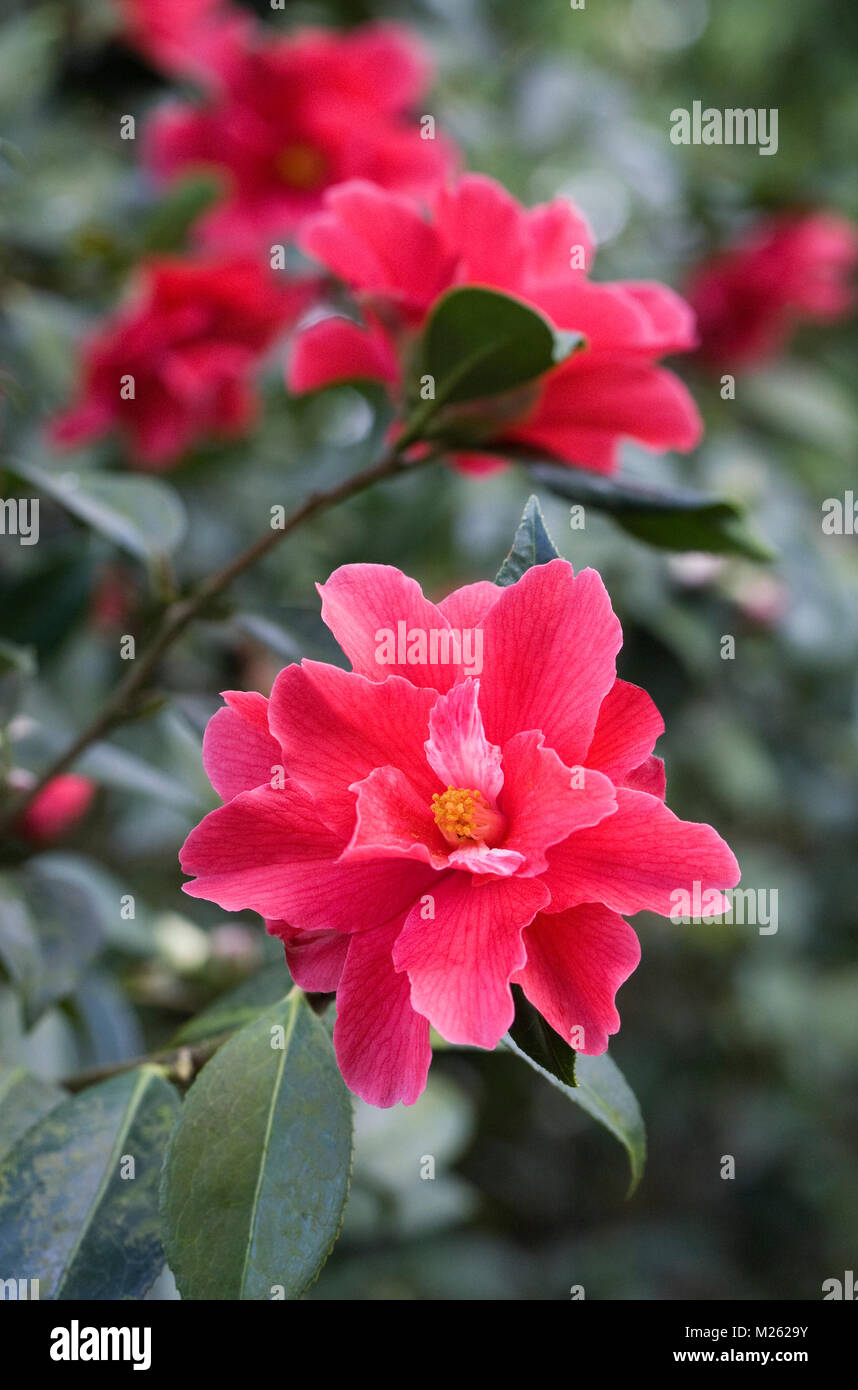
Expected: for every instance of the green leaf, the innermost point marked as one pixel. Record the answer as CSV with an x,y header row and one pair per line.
x,y
67,1216
24,1099
680,519
17,669
478,343
237,1007
601,1090
532,546
257,1174
167,227
141,515
538,1040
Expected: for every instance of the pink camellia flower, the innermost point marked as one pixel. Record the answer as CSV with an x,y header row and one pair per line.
x,y
291,117
398,264
174,365
787,268
421,836
58,806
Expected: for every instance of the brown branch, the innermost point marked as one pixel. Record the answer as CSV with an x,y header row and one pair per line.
x,y
124,704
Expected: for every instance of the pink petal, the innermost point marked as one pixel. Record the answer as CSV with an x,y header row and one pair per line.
x,y
361,603
673,322
576,962
649,777
626,730
458,749
553,229
267,851
468,606
628,399
239,754
638,858
377,241
543,800
382,1044
394,820
315,958
550,644
464,215
461,962
337,349
336,727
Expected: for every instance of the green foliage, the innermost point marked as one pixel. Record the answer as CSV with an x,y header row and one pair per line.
x,y
71,1214
256,1178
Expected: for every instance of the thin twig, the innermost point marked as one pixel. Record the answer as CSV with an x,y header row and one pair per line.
x,y
123,704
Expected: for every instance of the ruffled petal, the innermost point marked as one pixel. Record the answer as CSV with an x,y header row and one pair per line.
x,y
576,962
460,962
550,644
638,859
382,1044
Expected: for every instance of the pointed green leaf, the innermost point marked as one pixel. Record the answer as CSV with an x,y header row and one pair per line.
x,y
532,546
675,519
257,1174
67,1215
141,515
478,343
24,1099
601,1090
538,1040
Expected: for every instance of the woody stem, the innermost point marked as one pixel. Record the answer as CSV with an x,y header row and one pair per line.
x,y
123,704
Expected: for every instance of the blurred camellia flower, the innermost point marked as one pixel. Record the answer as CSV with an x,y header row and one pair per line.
x,y
59,805
289,117
749,297
420,837
196,38
174,365
398,263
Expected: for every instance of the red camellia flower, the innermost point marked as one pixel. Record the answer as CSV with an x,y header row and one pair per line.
x,y
292,116
58,806
789,268
175,364
398,264
474,804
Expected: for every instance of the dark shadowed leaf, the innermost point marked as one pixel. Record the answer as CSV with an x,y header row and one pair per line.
x,y
532,546
602,1090
67,1215
678,519
533,1036
257,1174
24,1099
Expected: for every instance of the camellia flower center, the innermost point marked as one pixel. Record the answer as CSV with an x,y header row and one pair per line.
x,y
302,166
461,813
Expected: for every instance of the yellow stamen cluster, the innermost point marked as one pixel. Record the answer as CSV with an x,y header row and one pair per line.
x,y
302,166
457,811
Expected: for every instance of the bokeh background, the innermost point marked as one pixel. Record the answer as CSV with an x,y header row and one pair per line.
x,y
736,1043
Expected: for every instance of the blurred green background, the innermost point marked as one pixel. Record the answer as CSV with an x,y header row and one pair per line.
x,y
736,1043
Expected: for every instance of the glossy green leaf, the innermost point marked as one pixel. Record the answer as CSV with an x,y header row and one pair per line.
x,y
532,546
602,1090
17,669
679,519
533,1036
24,1099
238,1006
478,343
141,515
257,1174
67,1215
